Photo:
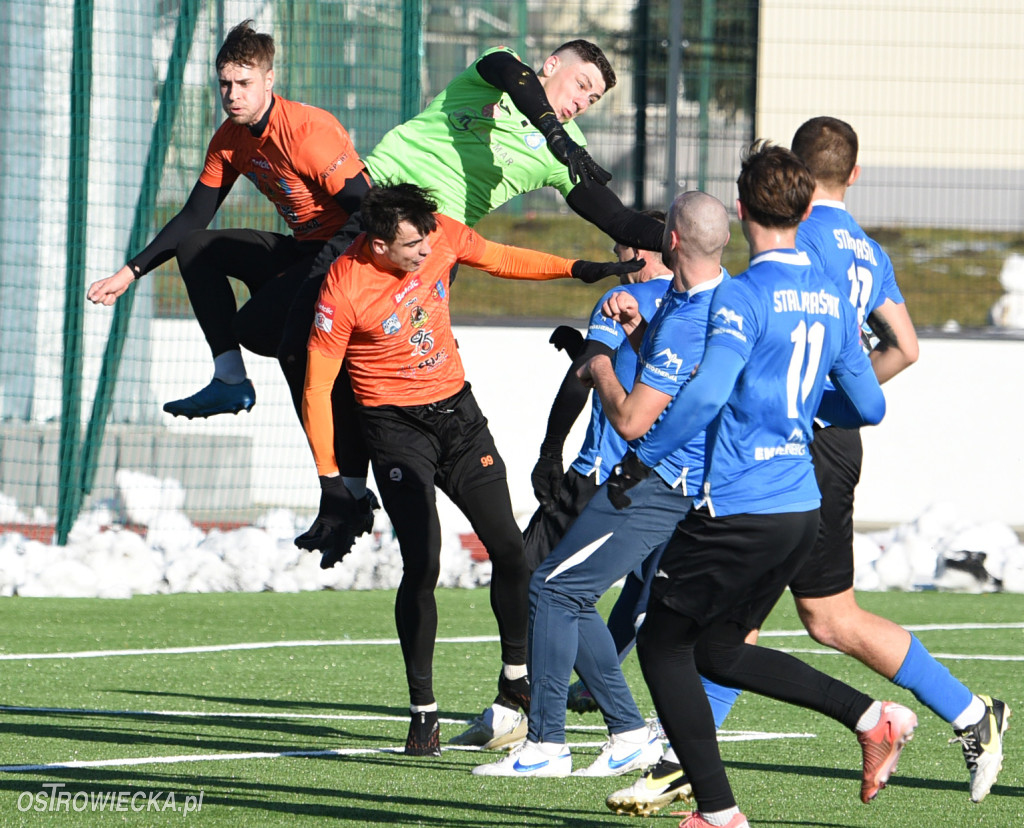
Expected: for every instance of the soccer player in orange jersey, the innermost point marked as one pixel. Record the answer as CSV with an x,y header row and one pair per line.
x,y
383,310
302,160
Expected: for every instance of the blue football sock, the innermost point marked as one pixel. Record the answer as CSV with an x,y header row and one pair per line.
x,y
722,699
932,683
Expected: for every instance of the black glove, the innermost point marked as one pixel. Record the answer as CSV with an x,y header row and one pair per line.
x,y
567,339
581,166
547,479
329,531
591,272
626,474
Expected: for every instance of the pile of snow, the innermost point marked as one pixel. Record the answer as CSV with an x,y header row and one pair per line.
x,y
939,550
165,552
1008,310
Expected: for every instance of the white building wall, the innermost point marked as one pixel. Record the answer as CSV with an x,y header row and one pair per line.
x,y
934,88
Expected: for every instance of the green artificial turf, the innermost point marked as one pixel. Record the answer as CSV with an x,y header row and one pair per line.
x,y
337,685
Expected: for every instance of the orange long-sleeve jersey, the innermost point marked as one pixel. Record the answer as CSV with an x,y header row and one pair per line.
x,y
300,162
394,329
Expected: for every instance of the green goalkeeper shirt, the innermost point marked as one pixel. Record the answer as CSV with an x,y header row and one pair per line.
x,y
472,149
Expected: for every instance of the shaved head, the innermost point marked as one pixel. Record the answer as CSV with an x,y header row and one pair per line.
x,y
701,224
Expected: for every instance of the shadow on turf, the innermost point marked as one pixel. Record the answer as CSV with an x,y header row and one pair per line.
x,y
113,727
898,780
263,703
294,706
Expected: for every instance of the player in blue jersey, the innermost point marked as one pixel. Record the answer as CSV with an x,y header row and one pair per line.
x,y
562,495
823,588
773,335
613,535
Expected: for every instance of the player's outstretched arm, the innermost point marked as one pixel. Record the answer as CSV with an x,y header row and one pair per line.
x,y
198,212
504,71
509,262
602,208
106,291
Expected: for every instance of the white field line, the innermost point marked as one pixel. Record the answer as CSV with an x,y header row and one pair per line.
x,y
478,639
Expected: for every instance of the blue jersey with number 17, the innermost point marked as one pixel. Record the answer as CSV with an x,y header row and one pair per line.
x,y
792,328
603,447
850,258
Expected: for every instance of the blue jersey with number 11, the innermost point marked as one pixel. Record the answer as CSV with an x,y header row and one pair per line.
x,y
791,328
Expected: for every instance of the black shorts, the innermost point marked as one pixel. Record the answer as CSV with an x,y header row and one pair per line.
x,y
446,443
546,528
732,568
828,570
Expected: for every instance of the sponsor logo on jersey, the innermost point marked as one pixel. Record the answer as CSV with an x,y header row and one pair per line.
x,y
462,119
418,317
438,292
337,162
729,318
422,342
312,224
391,325
534,140
795,446
672,361
431,362
608,327
262,163
411,286
786,450
489,110
283,186
324,319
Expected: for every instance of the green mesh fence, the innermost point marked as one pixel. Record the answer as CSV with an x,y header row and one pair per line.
x,y
108,111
